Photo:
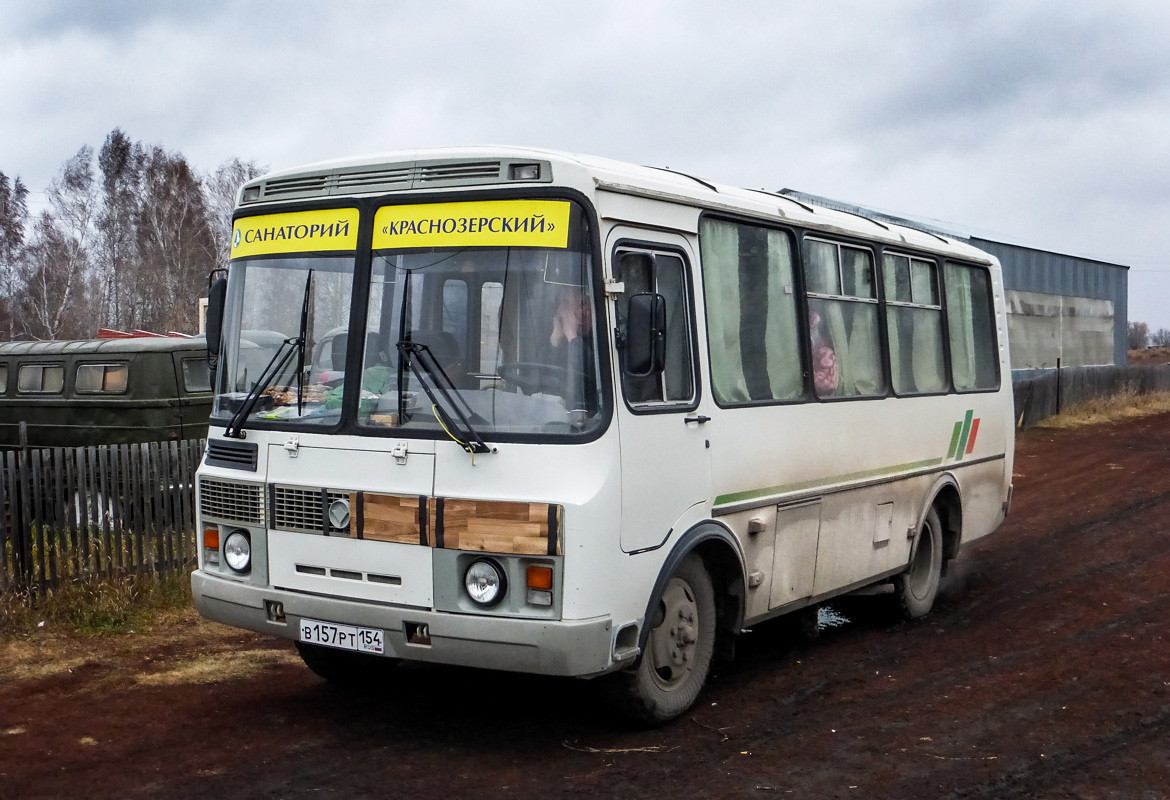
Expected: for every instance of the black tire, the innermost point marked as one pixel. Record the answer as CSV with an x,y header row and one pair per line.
x,y
916,588
345,668
677,658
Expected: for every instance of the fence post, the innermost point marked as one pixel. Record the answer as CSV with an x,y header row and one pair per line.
x,y
1057,385
26,568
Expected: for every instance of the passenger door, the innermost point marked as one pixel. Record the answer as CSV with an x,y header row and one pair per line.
x,y
666,466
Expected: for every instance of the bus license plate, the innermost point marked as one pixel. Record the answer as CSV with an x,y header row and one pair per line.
x,y
345,637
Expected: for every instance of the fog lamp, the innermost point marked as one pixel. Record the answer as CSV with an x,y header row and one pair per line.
x,y
237,551
484,582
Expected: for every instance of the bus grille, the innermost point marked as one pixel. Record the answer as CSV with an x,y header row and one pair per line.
x,y
232,502
302,510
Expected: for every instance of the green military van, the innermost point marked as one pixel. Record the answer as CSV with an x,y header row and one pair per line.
x,y
104,391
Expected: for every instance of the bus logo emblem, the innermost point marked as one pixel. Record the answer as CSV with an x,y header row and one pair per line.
x,y
339,514
963,437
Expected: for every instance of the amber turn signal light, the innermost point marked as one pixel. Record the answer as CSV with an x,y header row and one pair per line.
x,y
540,577
211,538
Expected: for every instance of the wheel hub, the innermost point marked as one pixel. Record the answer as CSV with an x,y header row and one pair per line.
x,y
674,642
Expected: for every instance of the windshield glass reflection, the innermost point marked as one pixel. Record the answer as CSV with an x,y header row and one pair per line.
x,y
265,310
510,331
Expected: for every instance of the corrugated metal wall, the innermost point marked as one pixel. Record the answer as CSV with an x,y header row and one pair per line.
x,y
1028,270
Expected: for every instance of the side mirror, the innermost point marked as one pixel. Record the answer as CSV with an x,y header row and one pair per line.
x,y
645,335
216,298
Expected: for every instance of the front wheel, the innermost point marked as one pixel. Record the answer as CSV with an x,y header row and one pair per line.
x,y
916,588
674,666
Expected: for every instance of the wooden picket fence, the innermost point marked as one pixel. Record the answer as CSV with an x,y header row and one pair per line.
x,y
84,511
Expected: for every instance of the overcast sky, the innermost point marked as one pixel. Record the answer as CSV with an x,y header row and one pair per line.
x,y
1041,123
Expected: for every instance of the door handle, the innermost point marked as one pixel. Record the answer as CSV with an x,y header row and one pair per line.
x,y
699,419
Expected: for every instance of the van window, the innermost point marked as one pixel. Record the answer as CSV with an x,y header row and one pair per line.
x,y
196,375
101,378
40,379
3,378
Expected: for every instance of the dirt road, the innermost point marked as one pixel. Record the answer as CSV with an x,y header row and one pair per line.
x,y
1044,671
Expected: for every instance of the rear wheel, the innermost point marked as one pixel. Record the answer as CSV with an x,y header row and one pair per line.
x,y
677,658
345,668
916,588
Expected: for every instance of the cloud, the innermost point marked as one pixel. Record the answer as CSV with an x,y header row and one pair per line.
x,y
1042,122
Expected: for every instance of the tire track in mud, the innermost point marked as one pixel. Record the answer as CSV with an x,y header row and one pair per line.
x,y
1038,777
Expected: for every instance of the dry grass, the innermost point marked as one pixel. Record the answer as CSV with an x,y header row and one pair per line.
x,y
47,656
1110,409
214,667
95,606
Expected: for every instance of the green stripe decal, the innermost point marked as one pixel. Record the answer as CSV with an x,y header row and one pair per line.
x,y
966,433
955,439
752,494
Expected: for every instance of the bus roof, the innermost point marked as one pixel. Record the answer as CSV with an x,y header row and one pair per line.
x,y
447,168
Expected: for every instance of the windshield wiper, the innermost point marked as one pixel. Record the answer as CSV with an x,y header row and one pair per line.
x,y
275,367
437,384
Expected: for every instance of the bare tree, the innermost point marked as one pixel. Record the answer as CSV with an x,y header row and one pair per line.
x,y
13,219
120,162
56,263
174,242
1160,338
1137,335
221,189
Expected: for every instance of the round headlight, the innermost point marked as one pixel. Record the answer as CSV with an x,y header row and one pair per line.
x,y
485,583
237,551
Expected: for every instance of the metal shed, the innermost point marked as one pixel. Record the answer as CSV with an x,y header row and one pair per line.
x,y
1061,306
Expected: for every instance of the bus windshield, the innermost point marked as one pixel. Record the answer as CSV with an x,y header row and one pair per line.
x,y
509,332
271,305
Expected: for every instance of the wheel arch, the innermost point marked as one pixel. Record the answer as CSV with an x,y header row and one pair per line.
x,y
717,547
947,500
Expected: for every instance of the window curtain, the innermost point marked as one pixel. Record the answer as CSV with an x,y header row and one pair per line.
x,y
961,321
720,251
928,367
783,354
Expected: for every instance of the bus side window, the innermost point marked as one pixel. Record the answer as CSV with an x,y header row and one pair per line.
x,y
843,320
753,332
914,325
665,274
972,331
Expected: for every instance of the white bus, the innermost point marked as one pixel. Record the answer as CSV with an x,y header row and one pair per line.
x,y
556,414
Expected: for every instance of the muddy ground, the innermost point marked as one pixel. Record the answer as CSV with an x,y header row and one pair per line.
x,y
1044,671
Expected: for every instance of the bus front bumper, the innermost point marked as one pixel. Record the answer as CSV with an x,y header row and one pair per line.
x,y
544,647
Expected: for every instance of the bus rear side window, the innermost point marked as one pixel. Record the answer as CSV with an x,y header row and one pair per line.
x,y
102,378
972,333
41,379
